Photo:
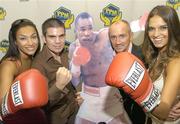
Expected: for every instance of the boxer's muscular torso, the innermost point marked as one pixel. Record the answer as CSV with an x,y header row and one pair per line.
x,y
94,71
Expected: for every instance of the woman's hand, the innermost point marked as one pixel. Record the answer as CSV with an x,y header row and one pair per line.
x,y
174,114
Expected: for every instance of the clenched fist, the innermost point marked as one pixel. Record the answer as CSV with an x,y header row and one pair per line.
x,y
63,77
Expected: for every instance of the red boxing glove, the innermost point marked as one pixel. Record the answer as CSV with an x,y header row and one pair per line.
x,y
81,56
128,72
28,90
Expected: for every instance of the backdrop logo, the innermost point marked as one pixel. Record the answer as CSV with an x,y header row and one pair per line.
x,y
110,14
173,3
2,13
65,16
4,44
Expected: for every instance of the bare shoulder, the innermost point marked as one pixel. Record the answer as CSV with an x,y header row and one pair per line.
x,y
174,63
72,46
8,71
173,71
71,49
8,66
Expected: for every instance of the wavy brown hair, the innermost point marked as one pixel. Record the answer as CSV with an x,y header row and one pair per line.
x,y
156,66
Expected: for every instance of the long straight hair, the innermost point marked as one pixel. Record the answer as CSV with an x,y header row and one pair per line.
x,y
13,51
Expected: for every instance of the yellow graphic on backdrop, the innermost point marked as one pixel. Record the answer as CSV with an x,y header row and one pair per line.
x,y
110,14
2,13
65,16
173,3
4,44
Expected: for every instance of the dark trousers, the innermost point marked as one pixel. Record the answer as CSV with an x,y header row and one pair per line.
x,y
134,111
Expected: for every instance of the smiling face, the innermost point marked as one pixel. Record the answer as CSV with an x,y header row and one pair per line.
x,y
158,32
27,40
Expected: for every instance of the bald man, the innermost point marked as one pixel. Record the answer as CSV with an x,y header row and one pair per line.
x,y
121,37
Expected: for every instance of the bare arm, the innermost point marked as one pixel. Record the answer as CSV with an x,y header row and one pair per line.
x,y
170,90
75,76
8,71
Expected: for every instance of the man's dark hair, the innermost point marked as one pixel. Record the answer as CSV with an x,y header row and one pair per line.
x,y
83,15
51,22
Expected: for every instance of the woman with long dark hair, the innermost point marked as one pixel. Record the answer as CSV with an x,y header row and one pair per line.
x,y
24,43
161,48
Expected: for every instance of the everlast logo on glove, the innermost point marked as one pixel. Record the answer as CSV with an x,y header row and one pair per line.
x,y
128,73
16,94
4,109
152,100
135,75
